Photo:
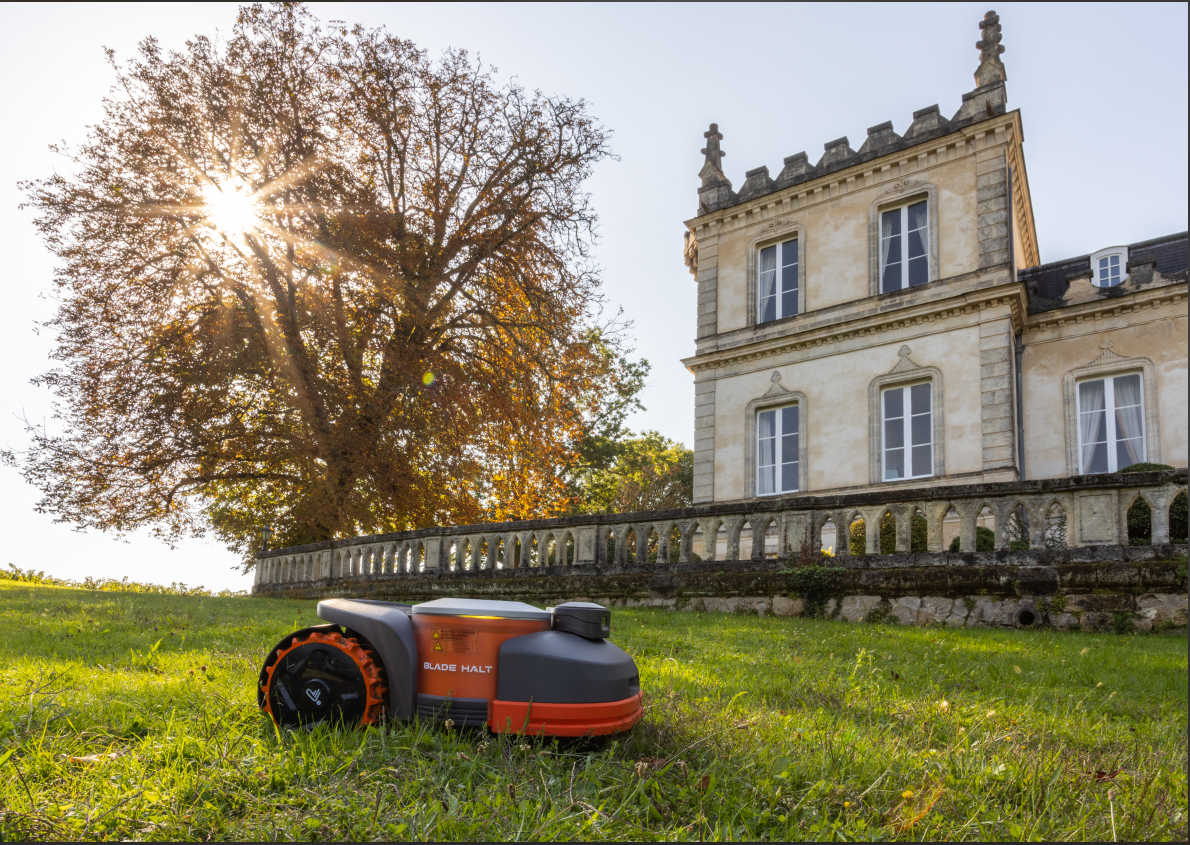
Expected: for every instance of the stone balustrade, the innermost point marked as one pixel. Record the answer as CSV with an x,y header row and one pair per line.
x,y
1090,510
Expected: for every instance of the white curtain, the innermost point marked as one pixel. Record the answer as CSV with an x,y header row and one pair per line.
x,y
1090,419
1130,428
768,273
886,236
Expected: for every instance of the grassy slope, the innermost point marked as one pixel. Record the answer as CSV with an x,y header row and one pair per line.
x,y
774,729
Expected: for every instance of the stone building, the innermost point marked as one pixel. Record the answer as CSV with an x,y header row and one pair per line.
x,y
881,317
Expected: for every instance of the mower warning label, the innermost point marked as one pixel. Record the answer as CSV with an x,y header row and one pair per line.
x,y
454,642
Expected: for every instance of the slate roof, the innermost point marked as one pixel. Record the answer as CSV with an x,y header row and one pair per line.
x,y
1050,281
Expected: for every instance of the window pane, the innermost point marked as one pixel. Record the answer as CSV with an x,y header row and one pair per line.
x,y
917,216
921,429
894,403
890,223
1090,395
767,293
789,419
894,464
917,243
767,424
891,280
789,253
1129,452
789,290
894,433
1097,462
919,271
922,460
764,480
789,303
920,398
789,478
1115,260
789,448
768,309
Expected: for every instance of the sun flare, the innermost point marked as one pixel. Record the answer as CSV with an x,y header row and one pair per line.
x,y
231,208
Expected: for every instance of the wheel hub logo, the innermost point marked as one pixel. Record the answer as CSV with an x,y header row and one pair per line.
x,y
313,693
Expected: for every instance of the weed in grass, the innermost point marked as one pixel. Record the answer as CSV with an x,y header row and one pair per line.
x,y
755,728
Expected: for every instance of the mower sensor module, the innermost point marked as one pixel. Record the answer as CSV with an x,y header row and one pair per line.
x,y
504,664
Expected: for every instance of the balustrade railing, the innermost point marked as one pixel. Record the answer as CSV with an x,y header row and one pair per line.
x,y
1066,512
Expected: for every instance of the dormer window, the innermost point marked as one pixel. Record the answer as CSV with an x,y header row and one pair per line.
x,y
1110,266
904,246
778,278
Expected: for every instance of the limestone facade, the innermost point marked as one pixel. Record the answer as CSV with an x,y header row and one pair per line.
x,y
1002,340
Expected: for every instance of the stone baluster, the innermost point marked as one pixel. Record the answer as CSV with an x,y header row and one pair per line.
x,y
641,529
734,525
621,545
686,529
871,529
842,533
903,514
663,529
968,514
710,536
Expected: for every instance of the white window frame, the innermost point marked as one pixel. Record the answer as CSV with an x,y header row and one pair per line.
x,y
1109,412
778,449
903,236
783,261
1101,280
907,415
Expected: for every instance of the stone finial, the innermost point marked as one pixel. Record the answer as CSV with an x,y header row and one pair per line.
x,y
712,151
716,188
991,69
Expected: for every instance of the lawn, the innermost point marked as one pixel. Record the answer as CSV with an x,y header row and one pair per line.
x,y
755,728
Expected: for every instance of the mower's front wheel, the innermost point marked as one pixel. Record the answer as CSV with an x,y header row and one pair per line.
x,y
316,676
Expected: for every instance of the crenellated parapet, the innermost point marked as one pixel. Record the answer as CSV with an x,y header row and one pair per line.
x,y
988,99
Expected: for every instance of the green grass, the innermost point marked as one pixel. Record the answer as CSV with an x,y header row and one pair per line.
x,y
755,729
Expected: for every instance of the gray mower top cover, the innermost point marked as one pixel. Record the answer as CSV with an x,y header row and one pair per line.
x,y
481,607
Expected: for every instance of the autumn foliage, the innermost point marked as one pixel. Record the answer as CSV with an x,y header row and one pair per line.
x,y
313,279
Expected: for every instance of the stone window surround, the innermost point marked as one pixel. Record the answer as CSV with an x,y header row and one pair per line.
x,y
899,194
773,233
875,421
1116,365
776,397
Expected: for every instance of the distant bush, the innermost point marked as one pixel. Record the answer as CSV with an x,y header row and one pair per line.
x,y
985,540
108,585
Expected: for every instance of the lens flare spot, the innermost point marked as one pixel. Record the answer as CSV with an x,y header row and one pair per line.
x,y
231,207
427,379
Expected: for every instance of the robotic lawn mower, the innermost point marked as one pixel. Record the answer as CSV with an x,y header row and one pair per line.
x,y
509,665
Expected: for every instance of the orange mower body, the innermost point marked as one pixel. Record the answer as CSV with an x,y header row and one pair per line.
x,y
507,665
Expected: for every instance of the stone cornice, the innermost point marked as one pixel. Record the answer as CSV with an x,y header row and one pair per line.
x,y
875,172
1133,301
963,294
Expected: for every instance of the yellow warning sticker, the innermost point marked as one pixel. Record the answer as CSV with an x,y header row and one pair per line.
x,y
455,642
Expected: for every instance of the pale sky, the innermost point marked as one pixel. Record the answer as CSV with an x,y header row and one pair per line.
x,y
1102,90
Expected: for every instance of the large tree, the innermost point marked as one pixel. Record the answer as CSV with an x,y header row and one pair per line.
x,y
313,279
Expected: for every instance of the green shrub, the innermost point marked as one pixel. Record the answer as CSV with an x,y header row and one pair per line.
x,y
1144,466
985,540
918,534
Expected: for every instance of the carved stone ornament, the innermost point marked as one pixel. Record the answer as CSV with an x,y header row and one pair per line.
x,y
991,69
712,151
1108,355
905,363
776,224
903,185
690,252
775,377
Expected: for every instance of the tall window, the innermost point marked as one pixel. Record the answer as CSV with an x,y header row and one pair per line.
x,y
904,247
778,281
777,451
1111,423
908,432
